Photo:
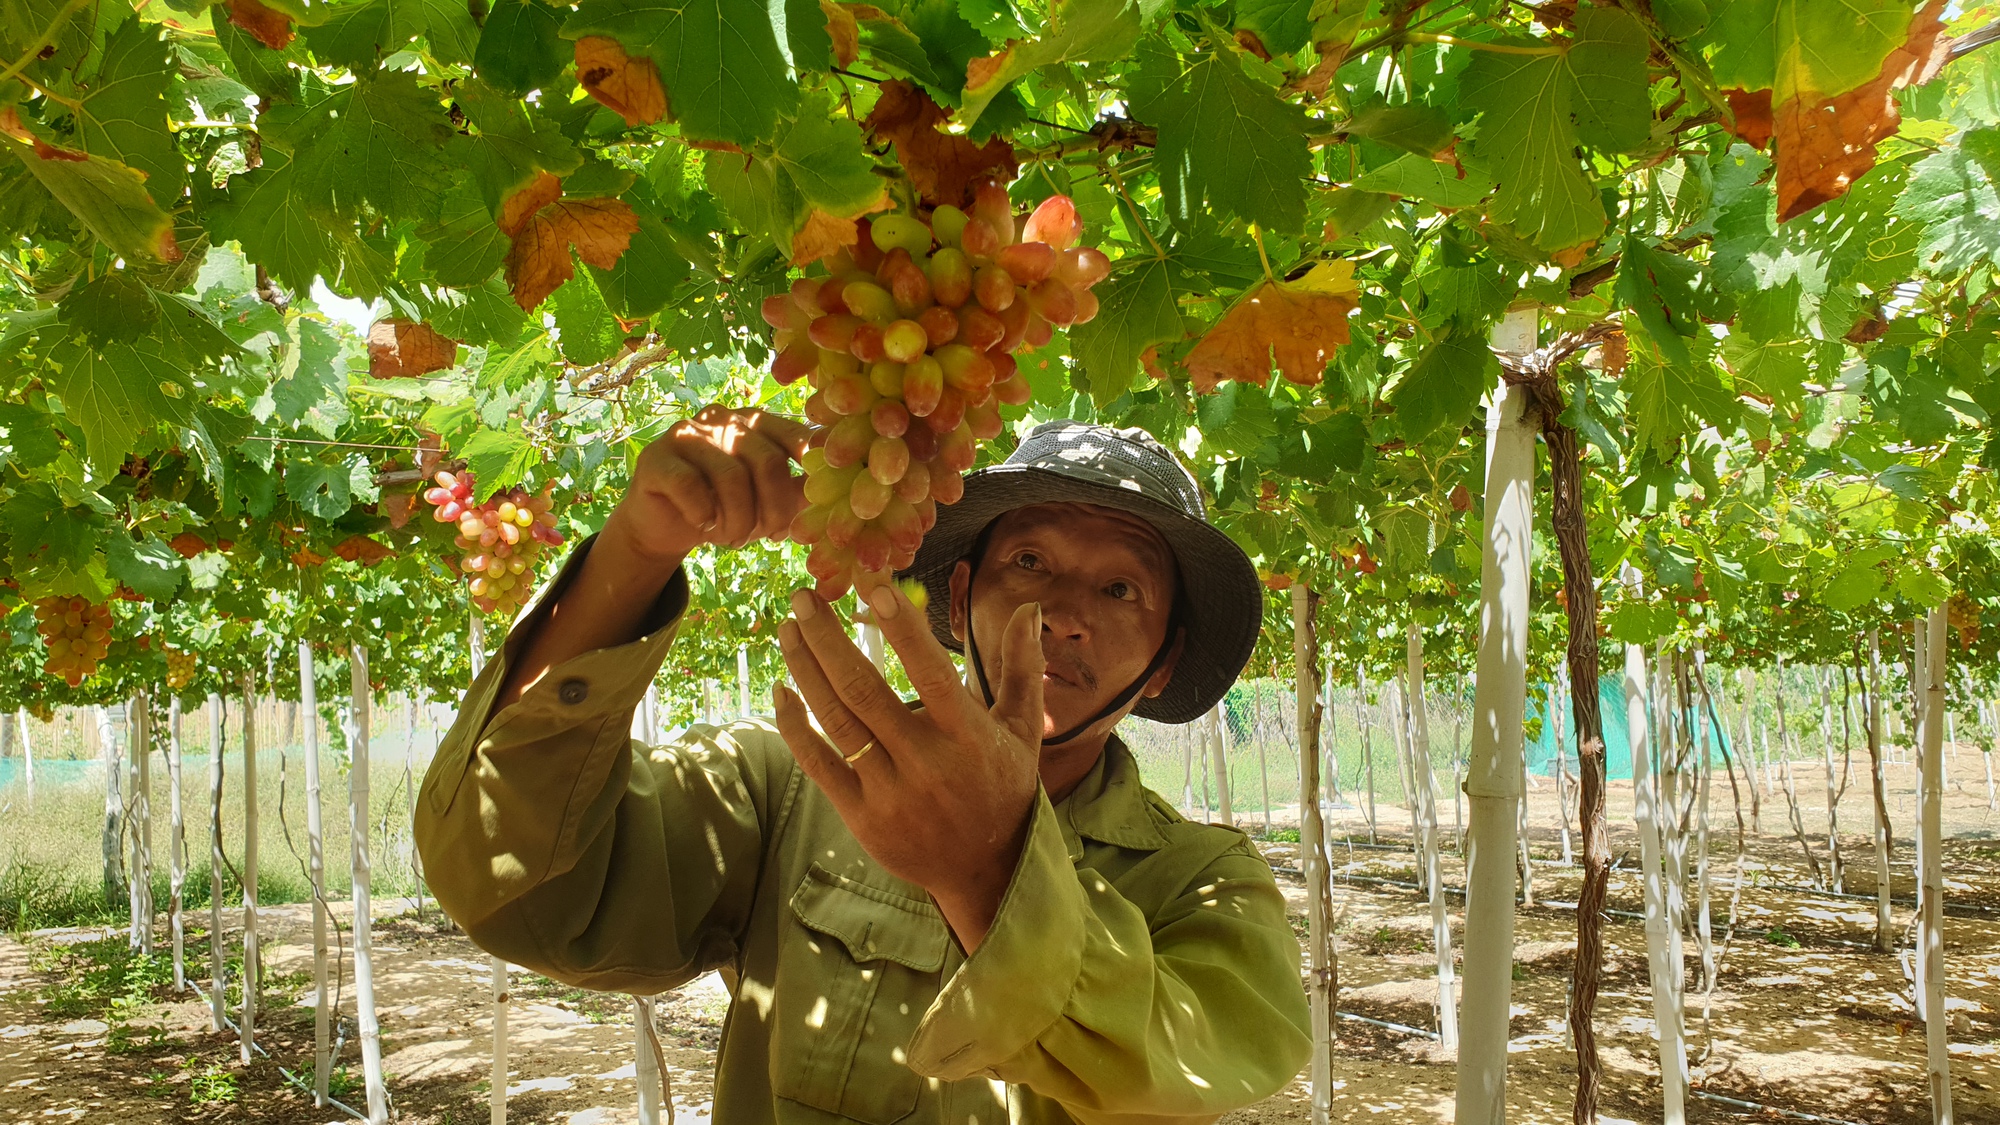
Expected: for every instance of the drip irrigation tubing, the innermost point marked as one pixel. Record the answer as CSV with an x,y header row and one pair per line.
x,y
1949,906
1792,1114
1402,1027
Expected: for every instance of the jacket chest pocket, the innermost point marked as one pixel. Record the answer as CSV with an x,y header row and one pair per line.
x,y
855,978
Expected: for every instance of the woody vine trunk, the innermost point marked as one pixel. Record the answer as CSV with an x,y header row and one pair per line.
x,y
1580,586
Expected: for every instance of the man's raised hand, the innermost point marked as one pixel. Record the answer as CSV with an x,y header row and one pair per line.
x,y
722,476
939,797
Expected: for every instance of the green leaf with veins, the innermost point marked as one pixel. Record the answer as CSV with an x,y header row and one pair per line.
x,y
359,36
718,59
499,459
1795,47
823,156
1444,385
1137,309
1952,195
1078,31
122,112
1538,108
380,142
1223,137
119,392
147,565
520,48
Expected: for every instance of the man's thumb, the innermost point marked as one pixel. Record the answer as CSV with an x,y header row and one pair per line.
x,y
1018,702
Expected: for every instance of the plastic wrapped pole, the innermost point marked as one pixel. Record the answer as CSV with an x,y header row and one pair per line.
x,y
27,753
176,847
316,874
497,1093
1885,932
1647,814
743,680
252,976
1428,844
216,1004
1930,674
1218,739
1494,769
1323,979
139,729
363,878
114,809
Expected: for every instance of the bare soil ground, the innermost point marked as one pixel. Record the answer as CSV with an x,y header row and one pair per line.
x,y
1803,1015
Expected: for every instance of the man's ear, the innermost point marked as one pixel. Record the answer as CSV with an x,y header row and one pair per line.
x,y
961,599
1165,675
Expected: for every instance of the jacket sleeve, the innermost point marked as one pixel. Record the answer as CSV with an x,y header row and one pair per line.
x,y
1075,995
562,845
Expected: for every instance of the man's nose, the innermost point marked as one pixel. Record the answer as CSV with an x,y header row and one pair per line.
x,y
1062,616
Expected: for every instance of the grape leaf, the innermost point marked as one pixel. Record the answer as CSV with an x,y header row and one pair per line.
x,y
511,144
1444,386
268,25
1537,108
359,36
285,236
147,565
1137,310
1225,137
1078,31
116,307
121,114
116,393
1795,46
825,160
719,60
629,87
379,142
498,459
465,245
108,198
1300,324
646,275
519,47
1283,26
323,490
52,548
587,331
398,347
1952,194
311,386
538,260
941,165
1658,288
1665,399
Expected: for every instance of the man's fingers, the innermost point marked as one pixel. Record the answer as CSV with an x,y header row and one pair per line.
x,y
848,732
683,486
786,433
852,677
735,492
925,661
780,495
821,763
1017,698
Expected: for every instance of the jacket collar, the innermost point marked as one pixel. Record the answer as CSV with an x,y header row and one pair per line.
x,y
1110,805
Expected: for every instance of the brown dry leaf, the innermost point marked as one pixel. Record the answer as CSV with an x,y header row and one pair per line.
x,y
843,30
399,507
980,72
821,235
541,191
361,549
398,347
538,261
430,450
1825,144
268,26
941,165
1752,110
1573,256
1248,40
627,86
307,558
1301,328
187,544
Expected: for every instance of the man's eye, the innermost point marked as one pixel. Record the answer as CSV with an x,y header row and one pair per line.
x,y
1028,560
1122,591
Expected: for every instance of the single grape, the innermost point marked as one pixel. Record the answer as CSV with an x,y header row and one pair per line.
x,y
947,223
889,459
904,341
923,382
950,277
994,288
1027,262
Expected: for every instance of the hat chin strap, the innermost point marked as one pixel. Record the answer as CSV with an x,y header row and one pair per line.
x,y
1118,701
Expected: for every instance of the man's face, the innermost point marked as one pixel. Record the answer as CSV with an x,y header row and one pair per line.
x,y
1106,583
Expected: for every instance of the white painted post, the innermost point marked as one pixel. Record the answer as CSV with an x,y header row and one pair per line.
x,y
28,753
1417,723
419,705
114,809
743,681
176,846
1930,678
1493,780
1647,814
252,965
647,1072
363,878
216,1003
1219,741
1885,933
1367,747
1321,965
139,730
316,874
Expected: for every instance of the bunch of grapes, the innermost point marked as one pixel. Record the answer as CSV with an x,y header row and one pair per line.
x,y
499,540
78,634
181,667
908,347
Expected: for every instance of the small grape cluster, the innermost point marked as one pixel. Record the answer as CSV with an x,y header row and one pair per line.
x,y
77,633
908,346
498,540
181,667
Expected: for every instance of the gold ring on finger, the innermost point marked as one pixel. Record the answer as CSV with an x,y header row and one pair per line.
x,y
850,759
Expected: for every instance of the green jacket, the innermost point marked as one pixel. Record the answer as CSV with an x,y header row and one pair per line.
x,y
1141,967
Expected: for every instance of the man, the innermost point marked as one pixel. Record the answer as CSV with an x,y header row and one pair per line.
x,y
968,912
